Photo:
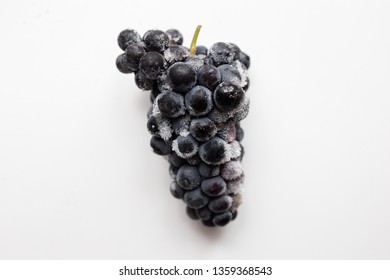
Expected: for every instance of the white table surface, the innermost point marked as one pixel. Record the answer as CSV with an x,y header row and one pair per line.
x,y
78,179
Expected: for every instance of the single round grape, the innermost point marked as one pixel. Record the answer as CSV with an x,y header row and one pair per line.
x,y
228,96
203,129
188,177
201,50
220,204
142,81
221,53
199,101
156,40
128,37
159,146
191,212
176,190
209,76
133,54
170,104
214,186
123,65
187,145
222,219
231,170
181,76
152,64
195,198
175,37
213,151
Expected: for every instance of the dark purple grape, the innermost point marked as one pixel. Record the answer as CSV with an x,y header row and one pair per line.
x,y
213,151
170,104
133,54
228,96
153,65
204,213
128,37
214,186
188,177
175,37
159,146
191,212
142,81
156,40
209,76
203,129
181,76
221,53
201,50
229,74
123,65
222,219
186,146
196,198
176,190
199,101
220,204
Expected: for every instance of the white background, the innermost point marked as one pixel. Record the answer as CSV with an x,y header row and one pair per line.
x,y
78,179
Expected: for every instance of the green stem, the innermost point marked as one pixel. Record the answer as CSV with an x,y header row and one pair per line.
x,y
194,39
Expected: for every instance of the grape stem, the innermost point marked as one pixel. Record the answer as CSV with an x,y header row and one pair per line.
x,y
194,39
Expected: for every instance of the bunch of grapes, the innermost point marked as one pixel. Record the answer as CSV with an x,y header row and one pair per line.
x,y
198,100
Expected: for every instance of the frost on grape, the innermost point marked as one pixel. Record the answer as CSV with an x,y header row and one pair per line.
x,y
237,200
235,186
163,123
217,116
234,149
181,125
231,170
195,63
175,53
243,111
242,71
175,148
